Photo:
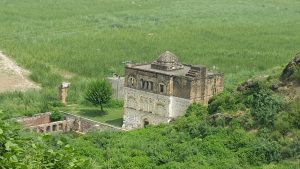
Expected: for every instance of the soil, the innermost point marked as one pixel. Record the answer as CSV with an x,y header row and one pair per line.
x,y
13,77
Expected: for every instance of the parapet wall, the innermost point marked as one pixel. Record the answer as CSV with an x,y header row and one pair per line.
x,y
35,120
41,123
85,125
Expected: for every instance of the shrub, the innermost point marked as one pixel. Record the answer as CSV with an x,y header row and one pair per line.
x,y
264,107
196,109
56,116
263,151
222,102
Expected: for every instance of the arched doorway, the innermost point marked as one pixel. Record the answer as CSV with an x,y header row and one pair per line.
x,y
145,122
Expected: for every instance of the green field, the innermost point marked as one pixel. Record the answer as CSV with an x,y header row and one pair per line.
x,y
83,40
76,40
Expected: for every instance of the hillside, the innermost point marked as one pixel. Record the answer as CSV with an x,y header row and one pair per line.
x,y
254,123
76,40
255,126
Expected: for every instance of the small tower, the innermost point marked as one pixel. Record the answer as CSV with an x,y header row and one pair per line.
x,y
63,91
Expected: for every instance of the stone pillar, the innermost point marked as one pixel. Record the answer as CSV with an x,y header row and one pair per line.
x,y
171,86
63,92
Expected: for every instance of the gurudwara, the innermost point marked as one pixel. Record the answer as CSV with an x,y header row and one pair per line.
x,y
160,91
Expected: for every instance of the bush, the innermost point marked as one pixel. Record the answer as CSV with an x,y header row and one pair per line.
x,y
264,107
222,102
56,116
196,109
25,150
263,151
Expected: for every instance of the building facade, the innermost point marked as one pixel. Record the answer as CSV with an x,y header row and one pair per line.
x,y
162,90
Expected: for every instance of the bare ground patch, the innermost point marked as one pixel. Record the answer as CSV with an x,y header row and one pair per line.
x,y
13,77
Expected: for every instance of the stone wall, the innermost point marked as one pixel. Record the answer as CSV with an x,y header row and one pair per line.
x,y
155,108
84,125
146,77
41,123
117,84
58,126
37,119
136,119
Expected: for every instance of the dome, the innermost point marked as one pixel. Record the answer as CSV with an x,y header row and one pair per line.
x,y
167,57
166,61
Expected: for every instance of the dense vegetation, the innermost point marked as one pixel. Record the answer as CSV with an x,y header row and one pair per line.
x,y
21,150
78,40
75,40
248,129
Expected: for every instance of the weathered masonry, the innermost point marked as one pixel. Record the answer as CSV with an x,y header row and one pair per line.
x,y
41,123
162,90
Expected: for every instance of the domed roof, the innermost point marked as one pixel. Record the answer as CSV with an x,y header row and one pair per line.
x,y
167,57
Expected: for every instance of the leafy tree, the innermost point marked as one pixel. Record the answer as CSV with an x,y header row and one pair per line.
x,y
98,93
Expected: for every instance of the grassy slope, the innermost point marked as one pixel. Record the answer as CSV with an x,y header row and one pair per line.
x,y
90,38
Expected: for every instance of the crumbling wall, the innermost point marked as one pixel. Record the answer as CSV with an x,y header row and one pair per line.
x,y
84,124
134,119
35,120
117,85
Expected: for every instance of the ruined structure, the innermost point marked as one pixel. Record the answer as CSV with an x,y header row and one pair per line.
x,y
162,90
41,123
117,85
63,92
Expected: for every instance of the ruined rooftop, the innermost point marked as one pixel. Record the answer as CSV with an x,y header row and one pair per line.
x,y
168,64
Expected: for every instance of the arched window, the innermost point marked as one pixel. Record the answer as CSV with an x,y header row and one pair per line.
x,y
131,81
162,88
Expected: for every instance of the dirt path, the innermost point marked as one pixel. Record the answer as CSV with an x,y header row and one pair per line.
x,y
13,77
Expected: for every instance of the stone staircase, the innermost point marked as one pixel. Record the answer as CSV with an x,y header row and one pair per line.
x,y
193,73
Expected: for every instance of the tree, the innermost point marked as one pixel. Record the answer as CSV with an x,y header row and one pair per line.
x,y
98,93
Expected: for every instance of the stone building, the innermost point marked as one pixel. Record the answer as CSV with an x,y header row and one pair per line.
x,y
162,90
117,85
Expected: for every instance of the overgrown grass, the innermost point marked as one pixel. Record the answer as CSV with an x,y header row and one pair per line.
x,y
91,39
111,115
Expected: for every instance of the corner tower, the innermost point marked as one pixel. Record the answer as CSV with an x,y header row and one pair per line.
x,y
160,91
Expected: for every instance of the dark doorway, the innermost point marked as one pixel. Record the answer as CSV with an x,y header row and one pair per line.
x,y
146,122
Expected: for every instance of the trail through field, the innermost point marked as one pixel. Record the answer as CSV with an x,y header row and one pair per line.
x,y
13,77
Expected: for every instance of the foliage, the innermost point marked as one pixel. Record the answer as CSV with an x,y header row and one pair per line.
x,y
82,41
98,93
222,102
295,74
264,105
56,116
73,42
190,141
20,150
294,113
196,109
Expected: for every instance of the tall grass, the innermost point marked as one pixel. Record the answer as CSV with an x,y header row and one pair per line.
x,y
92,38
